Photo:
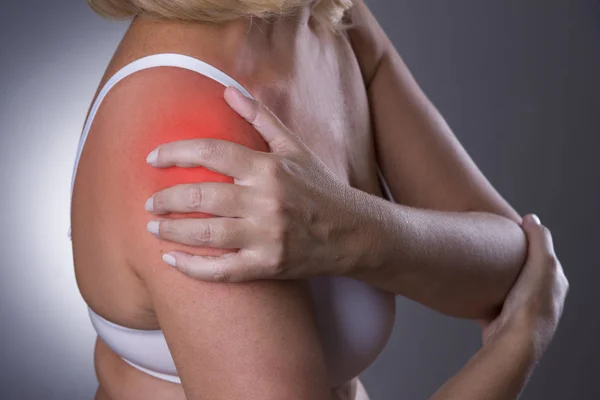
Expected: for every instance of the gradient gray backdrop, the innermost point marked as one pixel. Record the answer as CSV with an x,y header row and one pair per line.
x,y
517,81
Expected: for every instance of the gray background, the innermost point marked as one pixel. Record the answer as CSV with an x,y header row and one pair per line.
x,y
516,80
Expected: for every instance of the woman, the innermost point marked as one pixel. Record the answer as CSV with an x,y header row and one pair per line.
x,y
452,244
513,342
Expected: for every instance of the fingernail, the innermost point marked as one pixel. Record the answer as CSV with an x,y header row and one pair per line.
x,y
238,101
152,157
536,219
169,259
153,227
233,90
149,206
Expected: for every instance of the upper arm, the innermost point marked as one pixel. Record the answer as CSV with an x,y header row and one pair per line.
x,y
423,162
254,340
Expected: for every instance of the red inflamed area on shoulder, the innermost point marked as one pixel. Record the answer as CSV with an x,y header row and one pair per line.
x,y
210,327
163,105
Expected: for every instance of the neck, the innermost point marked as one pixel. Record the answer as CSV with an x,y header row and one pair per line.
x,y
270,34
245,47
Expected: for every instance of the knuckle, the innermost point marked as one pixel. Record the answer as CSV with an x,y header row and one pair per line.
x,y
273,166
222,271
550,261
221,276
277,231
259,113
274,205
278,269
203,235
273,262
205,150
194,197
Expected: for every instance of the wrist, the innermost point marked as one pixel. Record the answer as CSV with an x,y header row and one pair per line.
x,y
364,240
519,337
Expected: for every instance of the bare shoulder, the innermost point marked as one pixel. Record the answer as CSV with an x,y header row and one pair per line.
x,y
146,109
367,38
112,248
210,328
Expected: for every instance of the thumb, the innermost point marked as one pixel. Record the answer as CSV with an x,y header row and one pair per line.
x,y
273,131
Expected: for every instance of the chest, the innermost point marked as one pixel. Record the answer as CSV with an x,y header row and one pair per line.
x,y
323,101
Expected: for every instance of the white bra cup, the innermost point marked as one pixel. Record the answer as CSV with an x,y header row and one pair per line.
x,y
354,319
146,350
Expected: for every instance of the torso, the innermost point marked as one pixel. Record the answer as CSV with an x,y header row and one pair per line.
x,y
314,86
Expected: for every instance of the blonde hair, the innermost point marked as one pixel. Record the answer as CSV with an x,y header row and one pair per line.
x,y
327,12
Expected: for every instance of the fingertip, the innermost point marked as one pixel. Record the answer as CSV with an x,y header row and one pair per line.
x,y
170,259
538,235
178,260
234,97
149,205
231,91
238,102
152,158
153,227
531,220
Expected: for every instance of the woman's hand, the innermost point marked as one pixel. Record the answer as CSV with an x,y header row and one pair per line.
x,y
535,303
287,213
515,341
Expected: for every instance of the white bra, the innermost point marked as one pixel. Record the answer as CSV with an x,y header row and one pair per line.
x,y
354,319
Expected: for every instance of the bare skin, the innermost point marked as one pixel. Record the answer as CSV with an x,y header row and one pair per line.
x,y
451,242
280,69
122,284
514,342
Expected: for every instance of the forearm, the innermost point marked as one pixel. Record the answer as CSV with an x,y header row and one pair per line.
x,y
499,371
459,263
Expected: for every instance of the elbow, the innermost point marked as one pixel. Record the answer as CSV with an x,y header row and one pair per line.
x,y
504,272
492,283
475,310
